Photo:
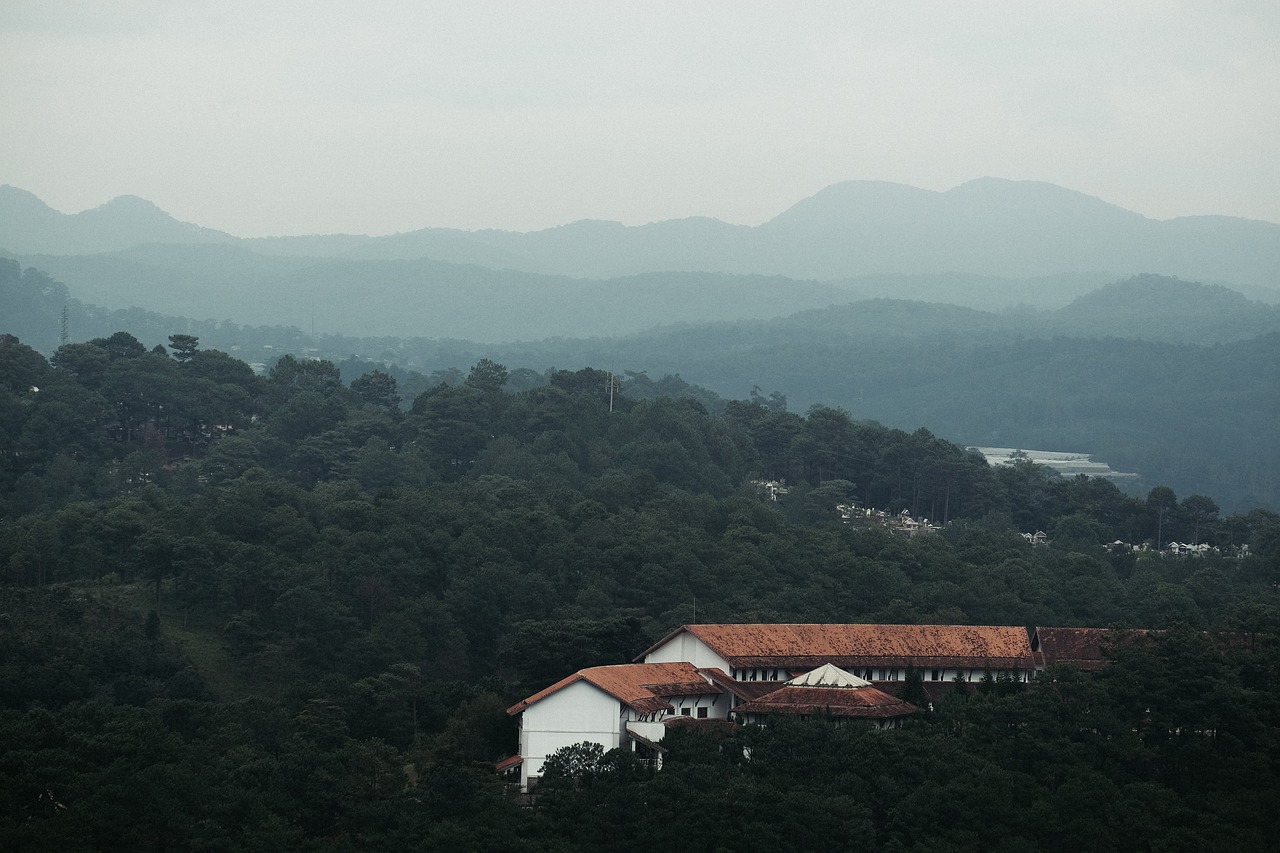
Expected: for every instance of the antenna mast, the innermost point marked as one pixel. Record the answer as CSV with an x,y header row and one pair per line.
x,y
65,337
611,386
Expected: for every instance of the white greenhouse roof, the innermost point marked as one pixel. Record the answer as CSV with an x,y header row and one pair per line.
x,y
828,675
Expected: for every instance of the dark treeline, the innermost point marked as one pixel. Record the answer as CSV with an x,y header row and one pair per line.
x,y
281,611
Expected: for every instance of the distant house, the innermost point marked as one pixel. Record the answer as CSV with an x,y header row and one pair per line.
x,y
1183,549
902,524
771,488
907,526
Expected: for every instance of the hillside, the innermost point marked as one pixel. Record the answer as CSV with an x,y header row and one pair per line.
x,y
1159,308
284,612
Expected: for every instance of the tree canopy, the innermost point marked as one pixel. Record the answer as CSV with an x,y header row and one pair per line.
x,y
282,609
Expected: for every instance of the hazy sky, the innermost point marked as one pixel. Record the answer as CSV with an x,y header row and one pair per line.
x,y
269,117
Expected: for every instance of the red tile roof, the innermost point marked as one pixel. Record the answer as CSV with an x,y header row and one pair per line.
x,y
641,686
744,690
508,762
1084,648
846,646
842,702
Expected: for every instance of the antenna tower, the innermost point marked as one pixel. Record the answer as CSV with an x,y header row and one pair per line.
x,y
64,337
611,386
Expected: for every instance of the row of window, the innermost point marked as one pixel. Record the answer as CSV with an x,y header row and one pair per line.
x,y
869,674
972,675
758,674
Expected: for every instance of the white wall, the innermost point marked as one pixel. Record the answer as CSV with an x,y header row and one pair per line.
x,y
577,713
686,647
652,731
717,706
973,675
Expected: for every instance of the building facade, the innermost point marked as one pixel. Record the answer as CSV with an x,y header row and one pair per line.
x,y
748,672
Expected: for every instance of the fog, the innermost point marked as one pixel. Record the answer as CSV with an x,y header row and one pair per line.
x,y
300,118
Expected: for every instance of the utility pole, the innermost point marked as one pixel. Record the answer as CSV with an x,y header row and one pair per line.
x,y
611,386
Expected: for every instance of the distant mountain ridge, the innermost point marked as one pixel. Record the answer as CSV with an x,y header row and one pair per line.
x,y
28,225
417,298
987,227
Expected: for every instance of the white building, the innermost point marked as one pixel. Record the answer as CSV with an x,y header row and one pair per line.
x,y
615,706
753,653
1066,463
709,671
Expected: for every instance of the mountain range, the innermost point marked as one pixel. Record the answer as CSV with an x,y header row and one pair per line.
x,y
997,313
989,244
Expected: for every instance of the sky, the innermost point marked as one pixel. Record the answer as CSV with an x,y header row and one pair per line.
x,y
281,117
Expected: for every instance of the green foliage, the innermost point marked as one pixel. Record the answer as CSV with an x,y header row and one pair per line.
x,y
386,584
184,346
576,763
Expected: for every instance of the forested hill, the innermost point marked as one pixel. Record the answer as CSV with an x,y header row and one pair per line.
x,y
113,420
193,443
285,611
1196,416
1174,380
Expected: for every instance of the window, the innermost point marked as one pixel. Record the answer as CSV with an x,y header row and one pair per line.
x,y
702,713
935,675
684,712
893,675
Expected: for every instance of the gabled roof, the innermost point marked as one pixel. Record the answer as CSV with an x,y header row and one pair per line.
x,y
844,702
1083,648
828,675
829,688
809,646
744,690
641,686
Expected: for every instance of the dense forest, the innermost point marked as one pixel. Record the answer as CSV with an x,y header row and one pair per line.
x,y
243,611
